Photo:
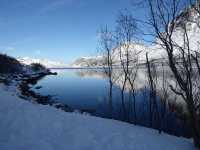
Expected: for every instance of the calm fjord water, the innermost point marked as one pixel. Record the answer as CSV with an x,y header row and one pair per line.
x,y
87,90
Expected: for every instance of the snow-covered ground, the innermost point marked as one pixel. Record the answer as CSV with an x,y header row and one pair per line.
x,y
28,126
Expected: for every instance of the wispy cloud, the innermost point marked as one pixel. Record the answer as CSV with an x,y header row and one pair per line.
x,y
44,7
55,5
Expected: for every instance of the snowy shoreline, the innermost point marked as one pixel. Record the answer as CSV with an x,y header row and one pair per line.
x,y
22,84
33,121
25,125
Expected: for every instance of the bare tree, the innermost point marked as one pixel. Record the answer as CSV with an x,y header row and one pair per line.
x,y
164,96
154,113
163,19
107,46
125,31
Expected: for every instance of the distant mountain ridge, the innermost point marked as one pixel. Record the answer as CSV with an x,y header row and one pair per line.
x,y
47,63
95,61
188,17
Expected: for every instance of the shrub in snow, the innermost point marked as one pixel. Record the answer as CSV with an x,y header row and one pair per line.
x,y
9,65
37,67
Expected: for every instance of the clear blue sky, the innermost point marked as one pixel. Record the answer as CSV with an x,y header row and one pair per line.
x,y
55,29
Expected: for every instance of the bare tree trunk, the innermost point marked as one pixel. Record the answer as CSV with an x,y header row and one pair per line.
x,y
123,101
125,33
163,15
110,98
153,106
150,95
107,43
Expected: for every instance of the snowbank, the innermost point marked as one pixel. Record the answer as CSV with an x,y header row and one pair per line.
x,y
28,126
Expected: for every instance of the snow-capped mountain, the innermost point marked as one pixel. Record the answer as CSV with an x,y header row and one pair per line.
x,y
88,62
187,17
47,63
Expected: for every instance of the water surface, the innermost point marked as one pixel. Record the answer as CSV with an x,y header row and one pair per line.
x,y
87,90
